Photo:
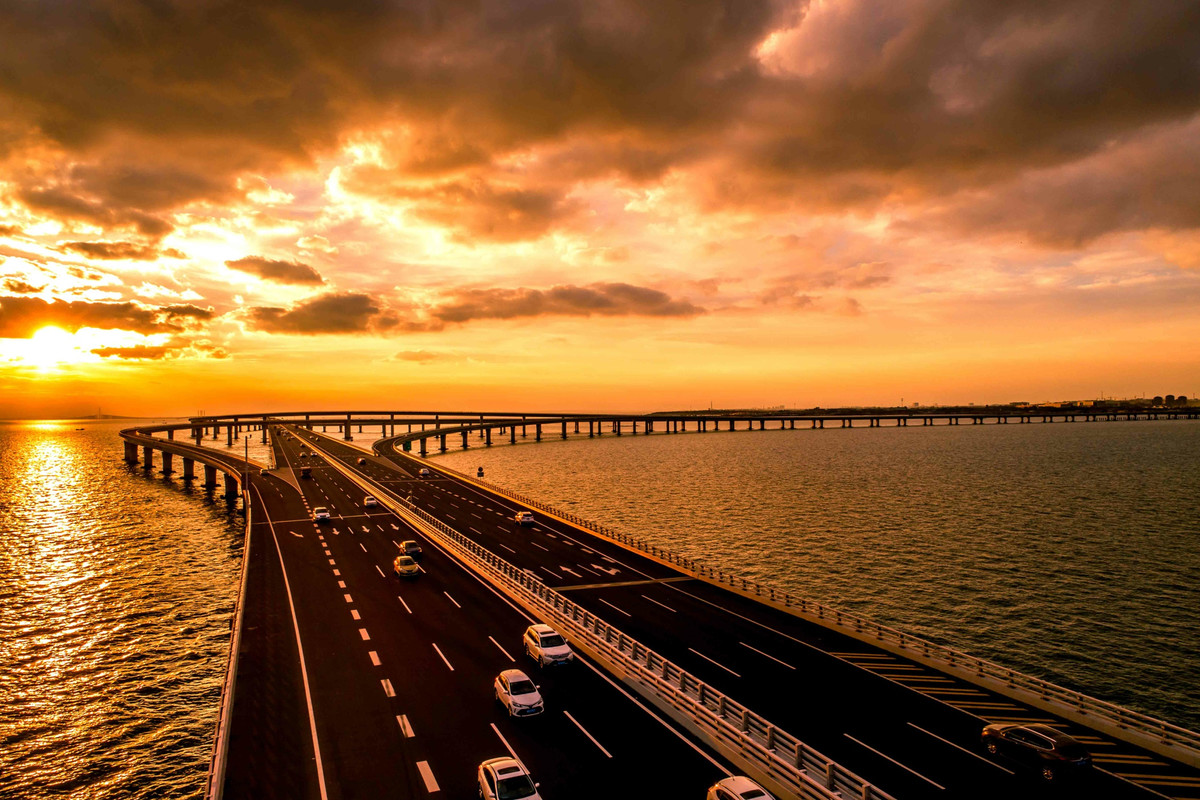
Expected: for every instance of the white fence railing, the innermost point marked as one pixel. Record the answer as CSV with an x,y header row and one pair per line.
x,y
1143,730
771,755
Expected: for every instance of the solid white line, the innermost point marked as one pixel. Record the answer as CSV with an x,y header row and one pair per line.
x,y
664,605
427,775
312,722
504,741
585,733
405,727
452,600
768,655
366,637
501,649
349,599
610,605
706,658
965,750
375,658
894,761
377,569
406,608
443,655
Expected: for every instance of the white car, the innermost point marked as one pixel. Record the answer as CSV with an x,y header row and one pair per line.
x,y
320,513
524,518
739,787
424,472
506,778
545,646
518,694
370,502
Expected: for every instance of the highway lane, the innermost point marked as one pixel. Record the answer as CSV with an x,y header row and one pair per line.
x,y
911,732
438,642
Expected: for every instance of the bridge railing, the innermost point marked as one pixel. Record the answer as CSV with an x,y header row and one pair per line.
x,y
1135,727
765,751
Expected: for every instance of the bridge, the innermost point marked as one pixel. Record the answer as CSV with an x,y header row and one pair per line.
x,y
343,682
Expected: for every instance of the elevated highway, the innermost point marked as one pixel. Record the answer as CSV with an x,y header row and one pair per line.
x,y
327,725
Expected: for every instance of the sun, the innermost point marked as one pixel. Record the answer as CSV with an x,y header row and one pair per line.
x,y
50,347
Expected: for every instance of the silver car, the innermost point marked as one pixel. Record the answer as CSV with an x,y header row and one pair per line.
x,y
518,694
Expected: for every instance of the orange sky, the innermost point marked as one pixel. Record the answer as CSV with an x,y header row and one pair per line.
x,y
595,205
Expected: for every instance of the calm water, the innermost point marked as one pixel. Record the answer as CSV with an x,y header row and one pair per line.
x,y
115,598
1068,551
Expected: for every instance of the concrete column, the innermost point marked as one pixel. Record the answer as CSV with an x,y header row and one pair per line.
x,y
237,429
216,431
424,451
564,430
167,459
443,442
488,437
346,430
264,430
464,438
822,425
577,426
189,469
147,457
617,424
231,491
512,434
229,435
591,429
210,475
537,430
130,453
522,430
171,435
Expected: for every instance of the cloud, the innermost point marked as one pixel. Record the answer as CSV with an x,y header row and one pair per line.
x,y
332,313
21,317
604,299
419,356
290,272
138,352
9,230
61,204
125,251
20,287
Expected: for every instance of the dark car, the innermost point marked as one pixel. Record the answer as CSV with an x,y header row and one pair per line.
x,y
1040,746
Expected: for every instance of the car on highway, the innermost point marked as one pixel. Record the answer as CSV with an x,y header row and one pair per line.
x,y
320,513
424,472
523,518
1047,749
361,460
545,646
306,472
303,454
737,787
405,567
370,502
411,548
519,696
506,778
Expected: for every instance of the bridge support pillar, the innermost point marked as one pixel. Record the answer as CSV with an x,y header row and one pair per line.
x,y
464,438
264,430
442,437
577,426
564,430
147,457
346,430
617,426
512,434
229,435
189,469
210,475
130,453
487,441
522,430
231,492
591,430
537,432
167,458
171,435
424,451
822,423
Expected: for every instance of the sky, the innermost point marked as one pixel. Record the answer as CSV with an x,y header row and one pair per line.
x,y
595,205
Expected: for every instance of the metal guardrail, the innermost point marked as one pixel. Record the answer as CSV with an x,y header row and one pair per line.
x,y
1135,727
765,751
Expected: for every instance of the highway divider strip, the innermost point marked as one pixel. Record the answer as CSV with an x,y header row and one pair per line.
x,y
772,756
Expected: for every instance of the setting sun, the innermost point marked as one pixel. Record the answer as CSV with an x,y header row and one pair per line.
x,y
51,347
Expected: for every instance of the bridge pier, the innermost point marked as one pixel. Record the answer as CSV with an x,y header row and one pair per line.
x,y
442,436
264,430
130,453
147,457
424,451
522,430
537,431
617,426
230,489
167,458
346,430
464,438
591,430
488,438
189,469
577,426
564,428
512,434
229,435
210,476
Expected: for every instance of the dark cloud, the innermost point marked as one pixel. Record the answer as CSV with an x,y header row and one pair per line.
x,y
419,356
605,299
292,272
126,251
21,317
336,312
9,230
186,311
496,109
17,286
136,352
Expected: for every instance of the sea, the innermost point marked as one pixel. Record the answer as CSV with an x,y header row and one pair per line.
x,y
1068,551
